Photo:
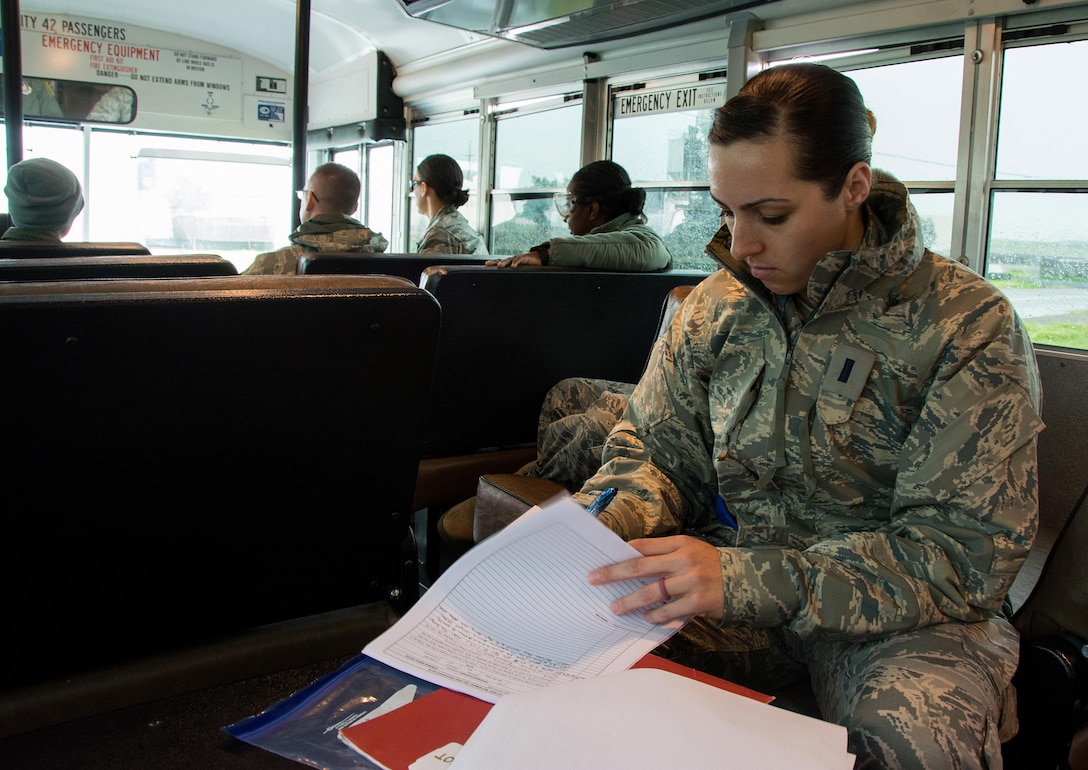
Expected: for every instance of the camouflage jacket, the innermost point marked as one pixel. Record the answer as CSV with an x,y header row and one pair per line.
x,y
323,232
624,243
449,232
878,455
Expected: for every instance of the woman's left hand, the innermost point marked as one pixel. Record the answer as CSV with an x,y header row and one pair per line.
x,y
688,576
518,260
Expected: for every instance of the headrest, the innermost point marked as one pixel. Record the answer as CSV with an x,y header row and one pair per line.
x,y
43,194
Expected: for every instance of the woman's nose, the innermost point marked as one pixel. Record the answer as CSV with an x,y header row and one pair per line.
x,y
743,243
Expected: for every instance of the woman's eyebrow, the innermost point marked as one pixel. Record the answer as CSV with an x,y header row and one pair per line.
x,y
750,204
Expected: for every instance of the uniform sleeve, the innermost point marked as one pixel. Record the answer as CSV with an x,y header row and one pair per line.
x,y
665,429
637,249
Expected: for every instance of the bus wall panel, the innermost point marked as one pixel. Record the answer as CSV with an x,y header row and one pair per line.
x,y
1063,455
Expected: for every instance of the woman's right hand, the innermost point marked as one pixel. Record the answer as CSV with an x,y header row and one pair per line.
x,y
518,260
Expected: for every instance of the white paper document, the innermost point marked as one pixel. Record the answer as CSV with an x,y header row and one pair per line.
x,y
516,612
646,719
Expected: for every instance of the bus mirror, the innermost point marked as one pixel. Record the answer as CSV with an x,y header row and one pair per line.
x,y
77,101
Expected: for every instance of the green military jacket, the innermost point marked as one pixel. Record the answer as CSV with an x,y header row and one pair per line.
x,y
876,451
624,243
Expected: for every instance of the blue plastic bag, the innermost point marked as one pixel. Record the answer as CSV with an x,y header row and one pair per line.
x,y
305,726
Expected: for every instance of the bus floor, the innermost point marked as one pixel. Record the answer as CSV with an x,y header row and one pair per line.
x,y
175,733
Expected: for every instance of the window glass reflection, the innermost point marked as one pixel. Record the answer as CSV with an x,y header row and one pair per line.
x,y
898,94
522,220
1041,118
665,147
1038,255
935,215
538,149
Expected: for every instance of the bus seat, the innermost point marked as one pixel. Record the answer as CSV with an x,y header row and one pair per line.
x,y
24,249
502,496
193,458
508,335
113,266
673,300
1052,677
410,266
1050,595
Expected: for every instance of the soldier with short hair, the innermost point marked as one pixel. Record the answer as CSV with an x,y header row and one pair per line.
x,y
325,208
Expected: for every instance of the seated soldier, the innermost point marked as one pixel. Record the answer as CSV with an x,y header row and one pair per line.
x,y
44,198
330,198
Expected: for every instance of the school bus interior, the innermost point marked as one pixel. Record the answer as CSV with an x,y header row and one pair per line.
x,y
218,487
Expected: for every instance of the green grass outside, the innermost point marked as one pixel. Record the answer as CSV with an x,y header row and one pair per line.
x,y
1065,334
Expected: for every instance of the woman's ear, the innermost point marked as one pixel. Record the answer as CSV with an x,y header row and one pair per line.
x,y
859,181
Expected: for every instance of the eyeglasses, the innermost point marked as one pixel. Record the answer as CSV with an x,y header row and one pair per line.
x,y
303,193
415,184
564,202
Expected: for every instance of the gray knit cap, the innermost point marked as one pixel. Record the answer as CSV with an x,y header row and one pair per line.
x,y
42,194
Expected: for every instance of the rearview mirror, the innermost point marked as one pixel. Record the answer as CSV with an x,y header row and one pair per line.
x,y
77,101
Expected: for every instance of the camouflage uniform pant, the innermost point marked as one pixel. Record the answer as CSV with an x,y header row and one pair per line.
x,y
934,698
577,415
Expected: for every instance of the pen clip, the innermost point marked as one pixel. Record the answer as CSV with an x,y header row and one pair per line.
x,y
722,513
601,501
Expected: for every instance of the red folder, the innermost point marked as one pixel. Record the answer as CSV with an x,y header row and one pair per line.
x,y
426,725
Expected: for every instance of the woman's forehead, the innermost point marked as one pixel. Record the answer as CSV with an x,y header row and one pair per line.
x,y
749,170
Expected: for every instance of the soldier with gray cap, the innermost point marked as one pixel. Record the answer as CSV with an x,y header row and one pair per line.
x,y
44,198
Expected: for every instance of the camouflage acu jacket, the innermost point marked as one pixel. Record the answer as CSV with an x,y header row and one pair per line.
x,y
878,456
323,232
449,232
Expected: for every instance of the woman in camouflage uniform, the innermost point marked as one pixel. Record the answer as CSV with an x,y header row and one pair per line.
x,y
829,465
437,187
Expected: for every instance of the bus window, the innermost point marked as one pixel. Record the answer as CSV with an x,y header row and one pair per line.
x,y
660,137
374,165
925,161
378,181
178,195
1038,239
536,154
460,139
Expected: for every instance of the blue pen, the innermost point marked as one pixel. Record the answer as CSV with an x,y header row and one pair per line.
x,y
723,514
601,501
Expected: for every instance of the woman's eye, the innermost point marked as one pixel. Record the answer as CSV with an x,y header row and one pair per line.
x,y
775,220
